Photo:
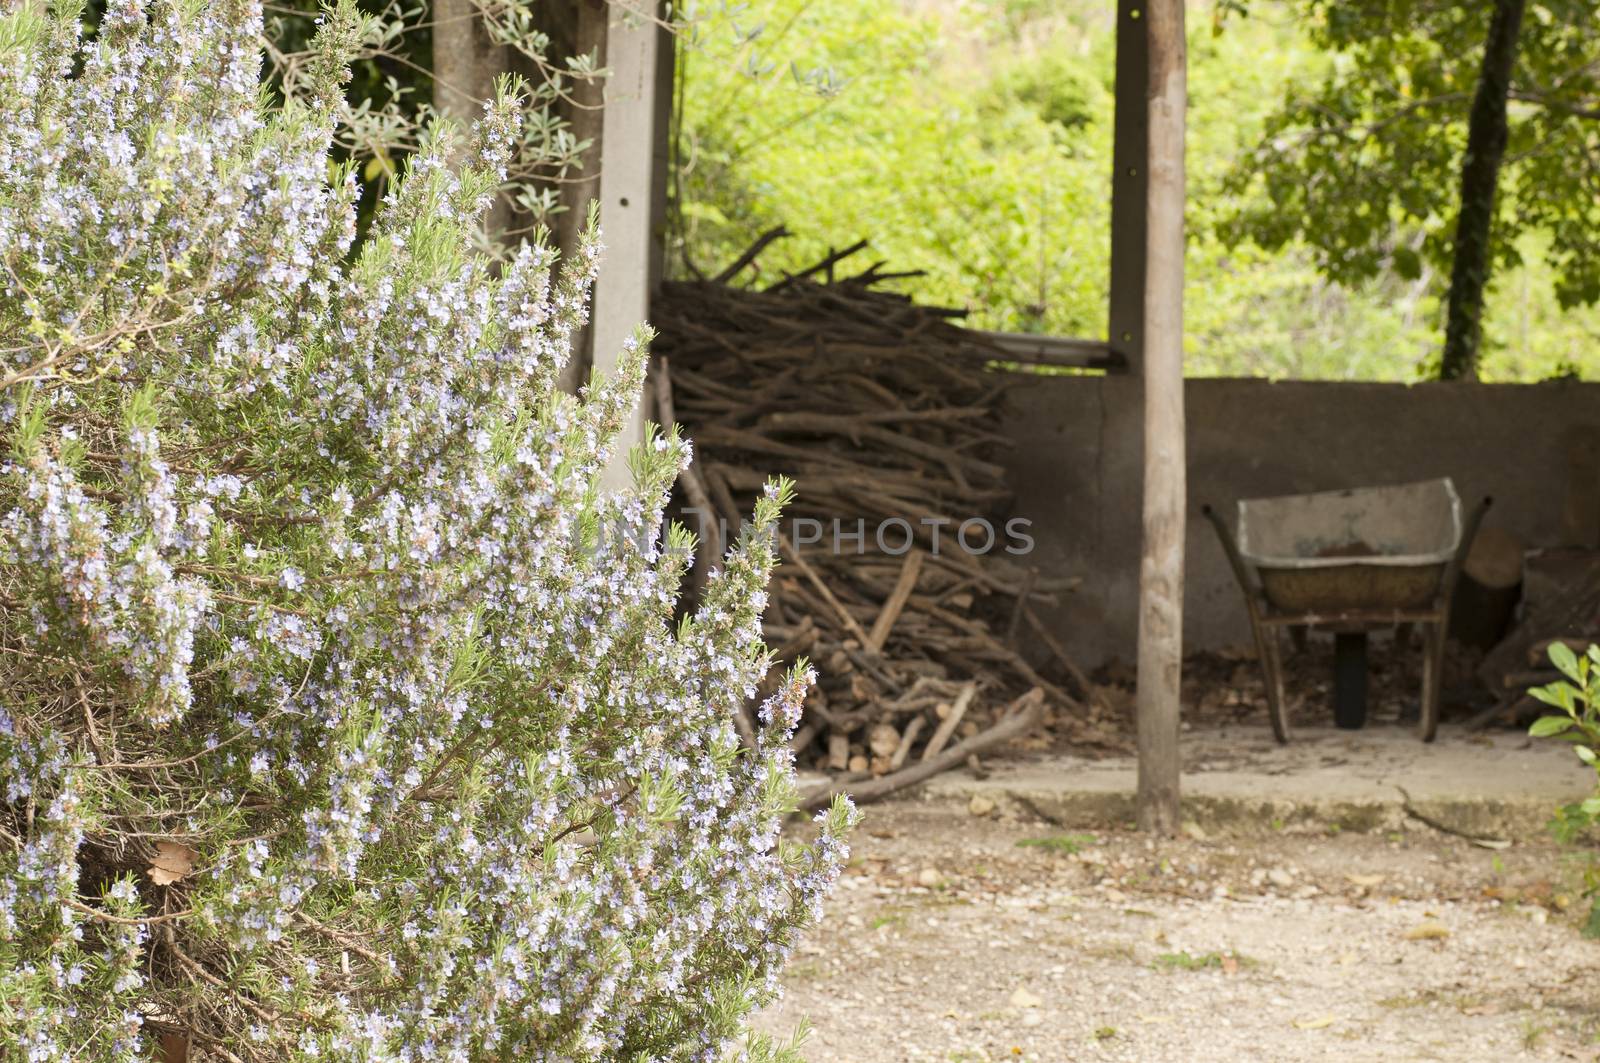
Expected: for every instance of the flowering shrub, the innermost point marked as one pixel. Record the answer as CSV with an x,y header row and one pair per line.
x,y
336,721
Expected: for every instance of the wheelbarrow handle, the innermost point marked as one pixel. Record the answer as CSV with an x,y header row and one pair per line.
x,y
1230,546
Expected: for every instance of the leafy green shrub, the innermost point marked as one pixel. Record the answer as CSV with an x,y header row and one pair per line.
x,y
1578,698
336,720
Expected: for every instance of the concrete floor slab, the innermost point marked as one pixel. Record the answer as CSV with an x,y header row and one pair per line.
x,y
1238,779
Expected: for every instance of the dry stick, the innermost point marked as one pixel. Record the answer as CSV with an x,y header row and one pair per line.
x,y
833,259
107,917
725,503
866,403
897,601
1025,712
793,556
266,1014
903,750
803,738
948,725
1019,605
1067,663
88,721
693,486
804,637
344,939
952,460
749,256
1004,653
701,500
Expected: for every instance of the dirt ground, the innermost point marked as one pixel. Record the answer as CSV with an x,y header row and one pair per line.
x,y
957,936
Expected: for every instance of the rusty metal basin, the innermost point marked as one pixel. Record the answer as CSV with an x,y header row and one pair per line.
x,y
1363,548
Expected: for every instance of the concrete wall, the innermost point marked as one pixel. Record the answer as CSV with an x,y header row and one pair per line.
x,y
1076,470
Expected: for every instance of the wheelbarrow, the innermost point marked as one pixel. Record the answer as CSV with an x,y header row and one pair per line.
x,y
1350,561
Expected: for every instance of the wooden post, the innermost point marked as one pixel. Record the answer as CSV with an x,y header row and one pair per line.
x,y
628,200
1129,182
1165,493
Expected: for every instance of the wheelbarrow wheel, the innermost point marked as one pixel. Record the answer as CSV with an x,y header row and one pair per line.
x,y
1350,680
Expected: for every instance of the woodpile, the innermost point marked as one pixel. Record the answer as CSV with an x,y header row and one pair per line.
x,y
901,578
1561,604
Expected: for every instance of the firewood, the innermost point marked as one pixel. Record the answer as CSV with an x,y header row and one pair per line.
x,y
890,419
903,750
897,601
951,721
1022,716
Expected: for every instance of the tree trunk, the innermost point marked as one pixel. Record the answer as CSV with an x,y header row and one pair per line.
x,y
1161,569
1480,174
466,62
587,117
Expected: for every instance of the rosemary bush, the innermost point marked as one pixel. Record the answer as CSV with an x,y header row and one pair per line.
x,y
337,719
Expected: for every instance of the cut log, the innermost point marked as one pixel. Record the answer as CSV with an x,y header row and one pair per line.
x,y
1488,589
838,751
1023,715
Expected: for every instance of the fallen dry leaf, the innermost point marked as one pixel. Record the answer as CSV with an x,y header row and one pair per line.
x,y
1230,965
1427,932
1321,1022
173,861
1364,880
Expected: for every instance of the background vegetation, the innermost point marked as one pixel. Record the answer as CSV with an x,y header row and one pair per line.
x,y
972,139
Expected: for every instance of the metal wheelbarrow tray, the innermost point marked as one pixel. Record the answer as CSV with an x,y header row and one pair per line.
x,y
1351,561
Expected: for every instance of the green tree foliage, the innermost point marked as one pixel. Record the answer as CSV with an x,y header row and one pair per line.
x,y
973,141
343,716
389,104
1363,164
839,121
976,146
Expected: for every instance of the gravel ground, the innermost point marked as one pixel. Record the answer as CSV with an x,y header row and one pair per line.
x,y
957,936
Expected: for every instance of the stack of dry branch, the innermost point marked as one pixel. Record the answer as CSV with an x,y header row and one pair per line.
x,y
897,578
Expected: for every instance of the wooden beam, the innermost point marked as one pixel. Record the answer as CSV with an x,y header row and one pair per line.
x,y
1161,568
1030,349
629,195
1129,181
